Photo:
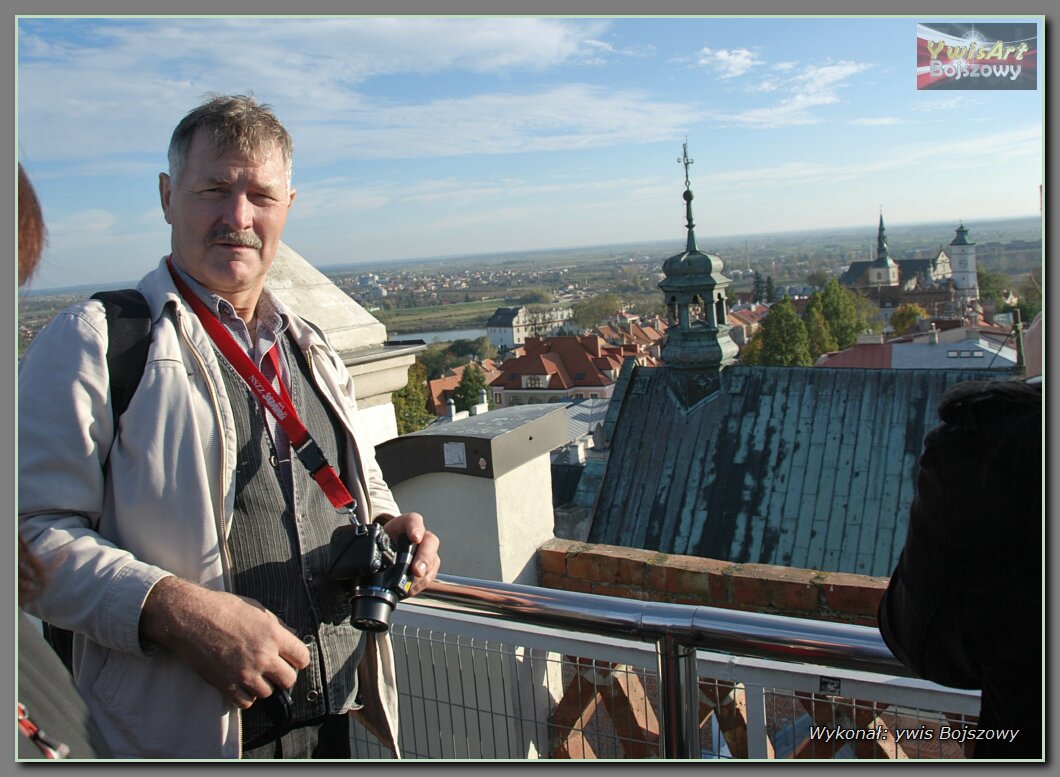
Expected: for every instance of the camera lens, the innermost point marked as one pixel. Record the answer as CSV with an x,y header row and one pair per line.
x,y
372,607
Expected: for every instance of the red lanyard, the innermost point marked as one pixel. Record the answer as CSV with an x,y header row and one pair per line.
x,y
51,750
277,403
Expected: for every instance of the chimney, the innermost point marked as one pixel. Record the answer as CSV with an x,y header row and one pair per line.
x,y
483,405
933,336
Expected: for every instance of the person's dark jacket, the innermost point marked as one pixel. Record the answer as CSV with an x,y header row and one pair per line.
x,y
964,604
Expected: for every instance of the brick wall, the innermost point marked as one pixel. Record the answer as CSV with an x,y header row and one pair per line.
x,y
662,577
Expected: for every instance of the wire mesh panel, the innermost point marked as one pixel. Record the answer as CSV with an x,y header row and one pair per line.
x,y
472,697
805,725
474,687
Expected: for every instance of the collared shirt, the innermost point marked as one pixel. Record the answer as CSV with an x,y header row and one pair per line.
x,y
271,324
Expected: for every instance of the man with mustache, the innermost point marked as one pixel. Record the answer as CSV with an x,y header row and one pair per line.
x,y
187,546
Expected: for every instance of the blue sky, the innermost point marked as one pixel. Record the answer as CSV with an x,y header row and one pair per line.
x,y
419,137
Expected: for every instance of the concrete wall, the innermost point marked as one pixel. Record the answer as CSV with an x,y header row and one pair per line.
x,y
490,528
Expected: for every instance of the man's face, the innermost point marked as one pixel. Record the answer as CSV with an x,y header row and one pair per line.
x,y
227,211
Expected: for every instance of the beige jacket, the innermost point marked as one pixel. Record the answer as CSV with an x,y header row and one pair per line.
x,y
108,530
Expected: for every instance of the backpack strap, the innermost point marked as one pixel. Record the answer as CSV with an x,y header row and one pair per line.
x,y
128,339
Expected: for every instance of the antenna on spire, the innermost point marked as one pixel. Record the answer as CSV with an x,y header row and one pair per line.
x,y
684,160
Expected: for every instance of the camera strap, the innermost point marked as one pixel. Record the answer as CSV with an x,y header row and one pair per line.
x,y
276,402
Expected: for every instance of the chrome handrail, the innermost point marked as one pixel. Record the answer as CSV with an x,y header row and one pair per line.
x,y
676,630
758,635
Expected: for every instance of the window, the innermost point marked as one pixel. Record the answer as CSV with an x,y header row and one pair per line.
x,y
533,381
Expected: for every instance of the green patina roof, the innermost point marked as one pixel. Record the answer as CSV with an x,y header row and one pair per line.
x,y
802,467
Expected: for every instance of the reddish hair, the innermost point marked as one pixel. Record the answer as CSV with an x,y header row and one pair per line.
x,y
30,228
30,245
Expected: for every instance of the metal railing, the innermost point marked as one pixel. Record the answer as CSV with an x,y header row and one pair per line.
x,y
677,632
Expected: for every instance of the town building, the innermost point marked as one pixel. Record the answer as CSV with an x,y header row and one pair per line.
x,y
554,369
945,284
441,389
510,327
962,348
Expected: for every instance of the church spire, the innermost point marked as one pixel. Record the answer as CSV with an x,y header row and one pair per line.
x,y
881,239
697,343
690,226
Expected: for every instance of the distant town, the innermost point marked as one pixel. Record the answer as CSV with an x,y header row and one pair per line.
x,y
426,295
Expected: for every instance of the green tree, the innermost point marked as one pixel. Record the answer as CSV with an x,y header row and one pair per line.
x,y
771,290
818,278
841,313
906,316
992,285
535,296
751,353
819,333
466,394
1030,295
596,310
758,290
784,339
410,402
479,348
438,358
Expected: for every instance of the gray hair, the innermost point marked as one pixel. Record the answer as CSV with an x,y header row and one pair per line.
x,y
230,122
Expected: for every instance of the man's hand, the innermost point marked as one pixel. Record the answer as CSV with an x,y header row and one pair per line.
x,y
233,642
426,562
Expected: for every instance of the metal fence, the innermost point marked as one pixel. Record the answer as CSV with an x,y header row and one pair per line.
x,y
496,671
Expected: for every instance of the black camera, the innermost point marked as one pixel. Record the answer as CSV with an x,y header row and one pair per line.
x,y
375,571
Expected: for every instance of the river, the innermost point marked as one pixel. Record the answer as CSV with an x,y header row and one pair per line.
x,y
444,336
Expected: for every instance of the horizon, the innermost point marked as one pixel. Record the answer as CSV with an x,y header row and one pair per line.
x,y
462,137
32,290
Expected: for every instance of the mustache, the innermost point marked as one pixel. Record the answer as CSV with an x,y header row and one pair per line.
x,y
224,235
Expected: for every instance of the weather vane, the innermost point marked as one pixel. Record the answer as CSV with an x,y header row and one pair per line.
x,y
684,160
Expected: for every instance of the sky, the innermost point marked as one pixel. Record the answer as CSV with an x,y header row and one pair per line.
x,y
422,137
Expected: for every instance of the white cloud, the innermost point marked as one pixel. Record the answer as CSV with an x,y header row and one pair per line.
x,y
569,117
810,87
123,84
728,62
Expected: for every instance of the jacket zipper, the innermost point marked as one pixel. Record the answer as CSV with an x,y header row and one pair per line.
x,y
222,536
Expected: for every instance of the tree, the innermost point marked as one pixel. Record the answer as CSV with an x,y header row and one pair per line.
x,y
818,278
480,348
1030,296
466,394
841,313
819,333
438,359
992,286
751,353
771,290
758,290
906,316
535,296
594,311
784,339
410,402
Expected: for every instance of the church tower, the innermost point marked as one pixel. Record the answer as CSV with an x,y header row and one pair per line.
x,y
697,343
965,275
883,271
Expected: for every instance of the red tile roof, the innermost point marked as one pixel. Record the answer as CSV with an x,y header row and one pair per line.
x,y
567,362
439,390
